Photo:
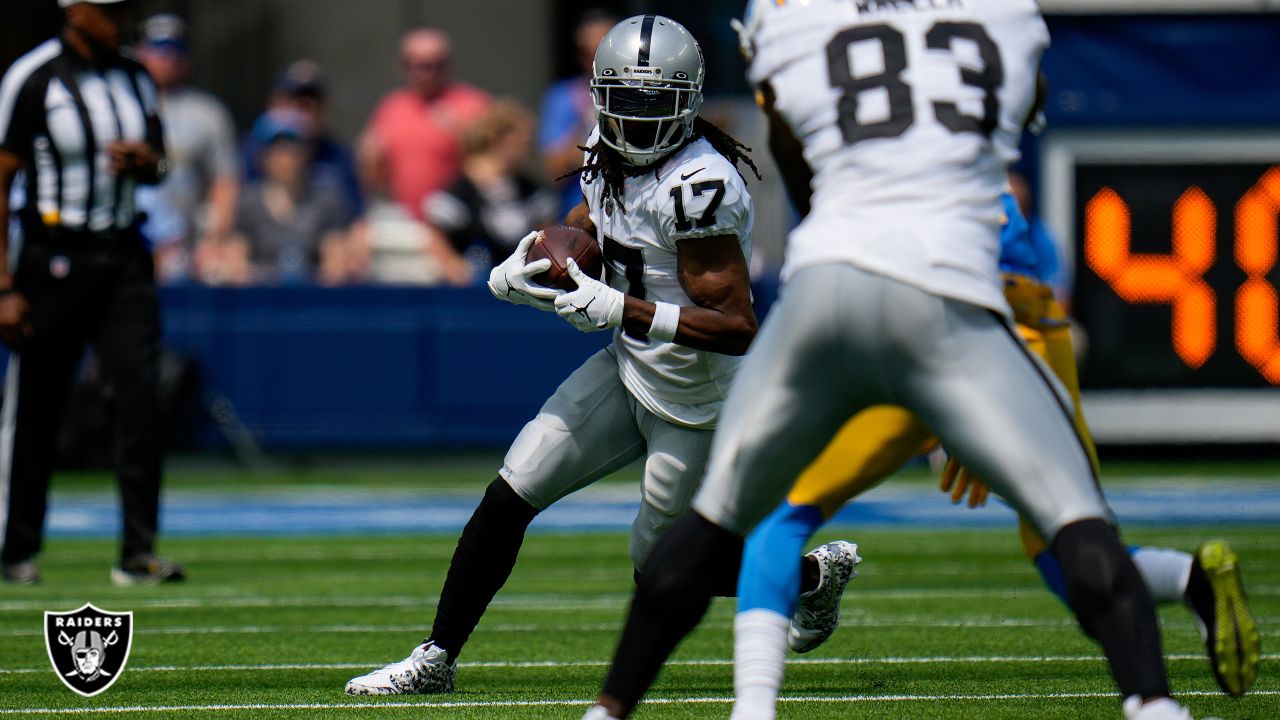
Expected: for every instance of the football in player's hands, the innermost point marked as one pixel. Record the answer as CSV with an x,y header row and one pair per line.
x,y
558,244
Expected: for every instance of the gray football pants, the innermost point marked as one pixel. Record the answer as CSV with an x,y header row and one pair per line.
x,y
842,339
590,428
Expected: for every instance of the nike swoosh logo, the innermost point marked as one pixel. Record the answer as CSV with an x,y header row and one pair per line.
x,y
685,178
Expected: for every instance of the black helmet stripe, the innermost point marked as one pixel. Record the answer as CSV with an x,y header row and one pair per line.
x,y
646,37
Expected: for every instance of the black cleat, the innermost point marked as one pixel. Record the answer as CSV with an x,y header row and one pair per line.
x,y
146,569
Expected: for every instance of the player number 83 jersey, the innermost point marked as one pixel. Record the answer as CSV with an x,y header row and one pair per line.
x,y
909,113
692,194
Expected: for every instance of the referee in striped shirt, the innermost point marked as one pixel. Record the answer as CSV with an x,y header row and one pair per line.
x,y
79,131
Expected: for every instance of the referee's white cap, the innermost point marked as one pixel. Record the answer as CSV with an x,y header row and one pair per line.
x,y
69,3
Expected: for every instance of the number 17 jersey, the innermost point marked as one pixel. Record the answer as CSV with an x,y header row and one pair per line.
x,y
909,113
694,193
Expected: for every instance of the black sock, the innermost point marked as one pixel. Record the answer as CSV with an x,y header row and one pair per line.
x,y
1199,594
727,581
686,567
810,577
723,579
810,574
481,564
1113,605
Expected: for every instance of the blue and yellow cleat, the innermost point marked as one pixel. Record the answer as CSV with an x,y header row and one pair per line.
x,y
1216,595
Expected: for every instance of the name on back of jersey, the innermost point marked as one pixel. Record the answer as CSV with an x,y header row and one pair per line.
x,y
871,8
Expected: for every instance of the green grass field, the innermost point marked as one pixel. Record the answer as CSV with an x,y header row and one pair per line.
x,y
941,624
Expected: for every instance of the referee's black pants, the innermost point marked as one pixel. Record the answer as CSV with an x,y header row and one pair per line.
x,y
96,290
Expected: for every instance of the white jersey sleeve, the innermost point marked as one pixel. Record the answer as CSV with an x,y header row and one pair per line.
x,y
696,193
909,114
703,198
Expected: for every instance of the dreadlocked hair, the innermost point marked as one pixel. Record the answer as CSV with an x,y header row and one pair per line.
x,y
727,145
605,162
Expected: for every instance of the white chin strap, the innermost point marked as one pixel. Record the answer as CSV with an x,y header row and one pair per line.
x,y
645,158
642,157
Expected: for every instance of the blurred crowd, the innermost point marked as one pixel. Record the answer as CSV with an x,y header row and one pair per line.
x,y
441,184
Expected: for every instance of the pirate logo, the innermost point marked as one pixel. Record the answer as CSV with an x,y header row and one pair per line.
x,y
88,647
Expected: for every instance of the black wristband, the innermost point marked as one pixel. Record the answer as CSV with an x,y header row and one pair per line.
x,y
8,291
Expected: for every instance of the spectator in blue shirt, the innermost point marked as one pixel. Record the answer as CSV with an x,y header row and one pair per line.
x,y
289,227
567,112
301,88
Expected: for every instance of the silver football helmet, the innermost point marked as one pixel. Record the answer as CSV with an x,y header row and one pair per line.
x,y
646,83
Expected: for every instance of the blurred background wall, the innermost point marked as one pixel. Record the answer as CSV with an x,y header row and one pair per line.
x,y
509,47
1147,97
506,48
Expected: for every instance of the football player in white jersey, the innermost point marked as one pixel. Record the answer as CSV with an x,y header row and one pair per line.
x,y
663,196
893,124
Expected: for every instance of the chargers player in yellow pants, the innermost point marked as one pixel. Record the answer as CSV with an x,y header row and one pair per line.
x,y
879,440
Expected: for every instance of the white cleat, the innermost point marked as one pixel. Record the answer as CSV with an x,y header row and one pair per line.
x,y
427,671
597,712
818,614
1162,709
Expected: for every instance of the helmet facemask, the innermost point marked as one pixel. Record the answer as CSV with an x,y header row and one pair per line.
x,y
645,119
646,85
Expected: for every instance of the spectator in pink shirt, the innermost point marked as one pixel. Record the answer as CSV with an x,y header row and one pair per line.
x,y
415,134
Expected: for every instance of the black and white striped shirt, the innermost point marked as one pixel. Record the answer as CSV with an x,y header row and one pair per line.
x,y
59,113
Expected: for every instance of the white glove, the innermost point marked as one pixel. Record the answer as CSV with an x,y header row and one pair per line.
x,y
510,280
593,306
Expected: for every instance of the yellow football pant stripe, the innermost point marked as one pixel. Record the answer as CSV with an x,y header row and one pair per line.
x,y
879,440
869,447
1050,338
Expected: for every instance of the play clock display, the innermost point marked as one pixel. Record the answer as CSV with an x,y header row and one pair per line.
x,y
1176,276
1175,256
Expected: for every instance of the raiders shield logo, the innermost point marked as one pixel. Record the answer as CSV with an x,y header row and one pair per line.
x,y
88,647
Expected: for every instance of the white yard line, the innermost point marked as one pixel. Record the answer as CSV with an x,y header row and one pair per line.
x,y
607,601
374,705
923,621
534,602
537,601
714,662
563,603
611,626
